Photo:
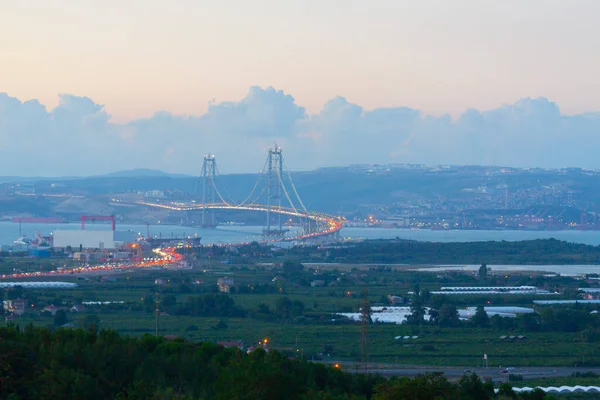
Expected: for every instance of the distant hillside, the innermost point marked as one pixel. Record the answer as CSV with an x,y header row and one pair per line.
x,y
141,173
341,190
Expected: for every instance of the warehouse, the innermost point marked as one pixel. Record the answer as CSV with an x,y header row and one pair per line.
x,y
84,239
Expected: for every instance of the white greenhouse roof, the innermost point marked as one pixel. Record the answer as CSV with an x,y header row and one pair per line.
x,y
39,285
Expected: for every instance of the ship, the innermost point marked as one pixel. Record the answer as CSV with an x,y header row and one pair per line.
x,y
33,220
232,223
38,241
23,241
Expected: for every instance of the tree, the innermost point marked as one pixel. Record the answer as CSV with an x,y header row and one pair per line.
x,y
292,268
428,386
263,309
283,308
287,309
483,271
221,325
471,387
481,318
529,322
14,293
91,322
506,390
297,308
60,318
448,315
168,301
426,296
536,394
417,309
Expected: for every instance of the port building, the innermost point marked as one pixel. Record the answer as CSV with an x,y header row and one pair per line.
x,y
85,239
92,239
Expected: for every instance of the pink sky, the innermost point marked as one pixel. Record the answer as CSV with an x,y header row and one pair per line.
x,y
440,56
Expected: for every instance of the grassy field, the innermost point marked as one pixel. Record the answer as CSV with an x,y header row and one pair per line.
x,y
450,347
321,338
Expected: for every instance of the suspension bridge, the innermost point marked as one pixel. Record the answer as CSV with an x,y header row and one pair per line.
x,y
273,194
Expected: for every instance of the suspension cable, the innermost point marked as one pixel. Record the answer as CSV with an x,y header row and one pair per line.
x,y
286,192
258,181
198,181
219,194
294,186
257,197
231,201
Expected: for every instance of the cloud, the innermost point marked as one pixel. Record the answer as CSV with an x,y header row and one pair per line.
x,y
262,113
238,132
77,137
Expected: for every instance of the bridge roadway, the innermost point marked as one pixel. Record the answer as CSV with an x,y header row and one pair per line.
x,y
168,256
328,224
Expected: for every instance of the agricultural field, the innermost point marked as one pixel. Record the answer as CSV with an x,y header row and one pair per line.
x,y
279,304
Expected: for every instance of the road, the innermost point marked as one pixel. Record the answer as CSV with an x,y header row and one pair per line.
x,y
457,372
165,257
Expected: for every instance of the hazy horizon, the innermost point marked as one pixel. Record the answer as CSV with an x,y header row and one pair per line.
x,y
77,138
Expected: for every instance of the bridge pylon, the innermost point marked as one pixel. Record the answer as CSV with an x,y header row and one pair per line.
x,y
209,171
315,227
274,189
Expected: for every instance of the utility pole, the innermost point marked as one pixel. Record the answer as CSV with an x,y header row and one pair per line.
x,y
365,319
157,301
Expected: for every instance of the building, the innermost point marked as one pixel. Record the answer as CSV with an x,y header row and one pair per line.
x,y
16,306
120,255
225,284
230,345
52,309
78,308
38,285
155,193
84,239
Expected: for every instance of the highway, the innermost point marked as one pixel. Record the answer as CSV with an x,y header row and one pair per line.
x,y
457,372
166,257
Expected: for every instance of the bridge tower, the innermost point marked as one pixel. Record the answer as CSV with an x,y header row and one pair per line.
x,y
209,170
274,188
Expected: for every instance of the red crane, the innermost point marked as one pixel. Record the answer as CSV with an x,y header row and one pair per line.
x,y
110,218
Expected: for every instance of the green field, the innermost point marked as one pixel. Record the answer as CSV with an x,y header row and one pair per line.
x,y
316,336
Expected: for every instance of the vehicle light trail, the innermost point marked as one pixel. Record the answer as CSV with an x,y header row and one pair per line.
x,y
327,224
166,257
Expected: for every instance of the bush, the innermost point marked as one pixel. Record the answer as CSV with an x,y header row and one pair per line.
x,y
515,377
588,374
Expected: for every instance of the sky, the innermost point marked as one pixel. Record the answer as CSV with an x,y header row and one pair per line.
x,y
105,85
